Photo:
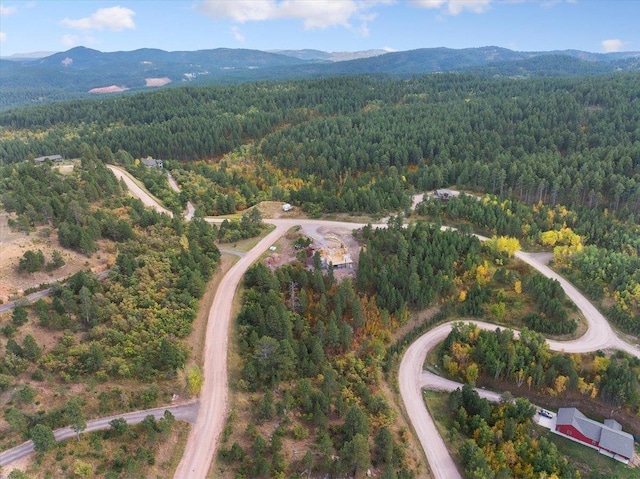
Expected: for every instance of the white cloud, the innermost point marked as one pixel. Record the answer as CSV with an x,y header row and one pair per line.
x,y
315,14
3,37
4,11
240,10
454,7
69,40
613,45
320,14
237,34
113,18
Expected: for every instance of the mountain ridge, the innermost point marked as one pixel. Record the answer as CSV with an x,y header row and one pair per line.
x,y
76,72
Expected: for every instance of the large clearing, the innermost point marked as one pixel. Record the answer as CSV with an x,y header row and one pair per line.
x,y
13,245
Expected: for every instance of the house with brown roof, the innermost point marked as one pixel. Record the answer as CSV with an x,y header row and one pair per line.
x,y
607,438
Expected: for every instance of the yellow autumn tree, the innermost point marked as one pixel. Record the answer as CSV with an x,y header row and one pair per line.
x,y
600,364
564,242
483,274
517,287
472,373
560,384
549,238
503,245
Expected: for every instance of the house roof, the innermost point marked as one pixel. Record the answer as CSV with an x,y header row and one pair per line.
x,y
149,161
566,415
40,159
616,441
609,435
613,424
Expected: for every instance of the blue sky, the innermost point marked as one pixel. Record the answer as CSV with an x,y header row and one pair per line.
x,y
330,25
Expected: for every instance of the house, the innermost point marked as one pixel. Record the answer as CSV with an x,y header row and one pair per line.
x,y
607,438
53,158
337,258
444,195
287,207
151,162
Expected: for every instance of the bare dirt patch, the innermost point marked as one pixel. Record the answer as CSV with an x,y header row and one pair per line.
x,y
333,242
273,209
157,81
109,89
14,244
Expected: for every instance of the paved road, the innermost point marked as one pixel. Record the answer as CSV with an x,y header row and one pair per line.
x,y
434,382
183,412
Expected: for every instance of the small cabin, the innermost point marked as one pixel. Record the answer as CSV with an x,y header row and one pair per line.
x,y
152,162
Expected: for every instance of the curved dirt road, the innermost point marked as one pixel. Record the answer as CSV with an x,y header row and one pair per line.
x,y
412,377
599,334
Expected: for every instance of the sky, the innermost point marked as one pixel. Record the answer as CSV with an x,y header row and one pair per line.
x,y
329,25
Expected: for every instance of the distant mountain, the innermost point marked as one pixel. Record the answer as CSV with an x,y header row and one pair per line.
x,y
596,57
146,59
27,56
319,55
79,71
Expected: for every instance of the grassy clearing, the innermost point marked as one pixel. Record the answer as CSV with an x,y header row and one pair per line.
x,y
137,453
590,463
436,403
248,244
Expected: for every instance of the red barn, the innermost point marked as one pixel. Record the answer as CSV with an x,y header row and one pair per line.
x,y
608,438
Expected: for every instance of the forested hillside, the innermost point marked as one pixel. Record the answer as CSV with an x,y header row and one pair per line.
x,y
564,152
114,344
570,141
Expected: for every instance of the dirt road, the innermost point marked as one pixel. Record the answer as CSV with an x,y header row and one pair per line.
x,y
121,174
599,334
190,211
202,442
